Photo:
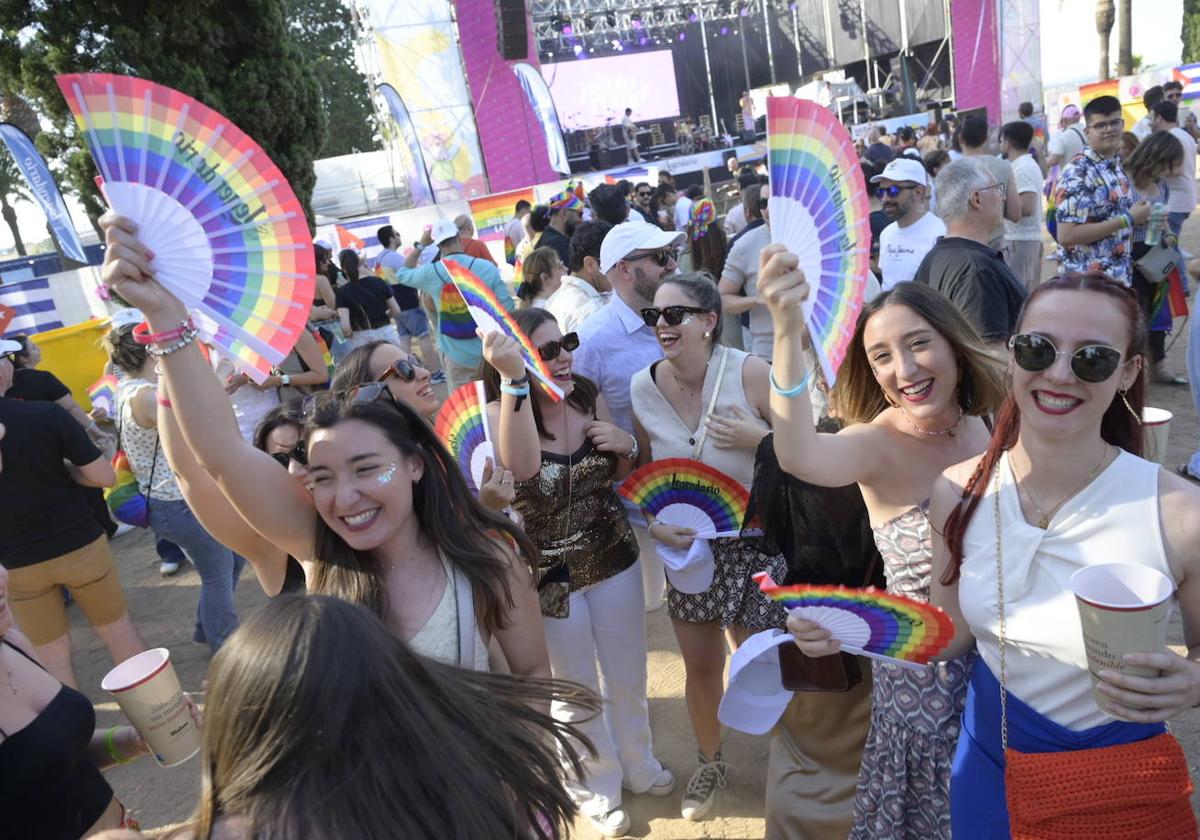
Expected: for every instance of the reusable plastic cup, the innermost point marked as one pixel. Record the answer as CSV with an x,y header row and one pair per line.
x,y
1124,608
1156,426
148,691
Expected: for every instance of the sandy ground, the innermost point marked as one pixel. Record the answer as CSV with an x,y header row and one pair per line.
x,y
164,612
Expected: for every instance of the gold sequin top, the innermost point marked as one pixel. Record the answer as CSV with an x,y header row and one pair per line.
x,y
571,511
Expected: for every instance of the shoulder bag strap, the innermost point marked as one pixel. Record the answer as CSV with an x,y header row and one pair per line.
x,y
702,432
465,599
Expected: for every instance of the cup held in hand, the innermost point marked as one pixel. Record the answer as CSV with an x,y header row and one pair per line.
x,y
148,691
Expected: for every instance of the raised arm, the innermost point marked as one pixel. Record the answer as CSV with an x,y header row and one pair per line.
x,y
263,494
827,460
317,375
517,443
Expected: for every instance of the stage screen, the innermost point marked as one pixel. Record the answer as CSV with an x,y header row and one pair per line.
x,y
594,91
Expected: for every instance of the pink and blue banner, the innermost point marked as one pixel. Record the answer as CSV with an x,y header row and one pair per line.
x,y
44,190
543,107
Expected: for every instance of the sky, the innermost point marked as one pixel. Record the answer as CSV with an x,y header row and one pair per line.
x,y
1156,39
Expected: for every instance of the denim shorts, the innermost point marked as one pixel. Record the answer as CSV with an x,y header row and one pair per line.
x,y
413,322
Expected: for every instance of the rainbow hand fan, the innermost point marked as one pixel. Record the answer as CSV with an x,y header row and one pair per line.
x,y
868,622
687,493
820,211
229,237
103,394
462,425
491,316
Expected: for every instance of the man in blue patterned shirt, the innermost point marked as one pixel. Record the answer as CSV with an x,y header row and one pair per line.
x,y
1095,208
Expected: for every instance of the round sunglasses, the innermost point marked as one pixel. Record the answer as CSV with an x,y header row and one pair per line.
x,y
403,369
551,350
673,315
1093,363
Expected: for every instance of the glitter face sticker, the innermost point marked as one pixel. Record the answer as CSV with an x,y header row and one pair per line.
x,y
385,477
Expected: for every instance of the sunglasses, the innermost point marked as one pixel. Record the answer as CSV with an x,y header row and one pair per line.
x,y
661,258
551,350
404,369
644,195
298,453
673,315
892,191
358,395
1093,363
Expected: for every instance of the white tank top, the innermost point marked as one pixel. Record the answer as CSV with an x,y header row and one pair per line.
x,y
1113,519
438,638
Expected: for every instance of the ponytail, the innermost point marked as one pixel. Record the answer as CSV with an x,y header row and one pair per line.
x,y
349,260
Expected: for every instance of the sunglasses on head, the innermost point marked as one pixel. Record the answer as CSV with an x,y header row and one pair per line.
x,y
404,369
551,350
1093,363
673,315
298,453
358,395
661,258
892,191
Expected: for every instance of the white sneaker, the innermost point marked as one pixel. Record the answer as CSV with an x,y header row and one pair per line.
x,y
663,784
168,567
613,824
702,787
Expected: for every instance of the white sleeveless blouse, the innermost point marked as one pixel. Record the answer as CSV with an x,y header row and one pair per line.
x,y
1113,519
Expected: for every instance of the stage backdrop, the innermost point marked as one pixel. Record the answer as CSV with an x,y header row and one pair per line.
x,y
976,56
1021,56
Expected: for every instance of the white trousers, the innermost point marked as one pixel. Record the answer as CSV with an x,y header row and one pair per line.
x,y
654,574
607,625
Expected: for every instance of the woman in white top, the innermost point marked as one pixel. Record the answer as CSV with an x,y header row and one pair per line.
x,y
707,402
384,518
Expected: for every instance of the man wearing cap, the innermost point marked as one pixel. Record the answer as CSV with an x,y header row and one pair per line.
x,y
1069,141
49,537
739,279
566,210
902,189
458,345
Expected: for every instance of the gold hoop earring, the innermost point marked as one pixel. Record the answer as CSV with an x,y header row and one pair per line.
x,y
1125,400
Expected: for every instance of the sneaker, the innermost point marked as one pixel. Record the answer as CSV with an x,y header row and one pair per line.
x,y
663,784
168,567
122,529
613,824
438,378
702,787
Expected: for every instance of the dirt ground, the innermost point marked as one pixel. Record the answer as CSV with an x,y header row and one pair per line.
x,y
164,612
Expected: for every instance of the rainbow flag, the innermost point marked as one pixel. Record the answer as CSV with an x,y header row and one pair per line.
x,y
492,213
1170,301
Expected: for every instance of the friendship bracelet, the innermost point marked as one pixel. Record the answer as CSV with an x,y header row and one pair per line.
x,y
790,392
187,338
142,334
111,748
515,391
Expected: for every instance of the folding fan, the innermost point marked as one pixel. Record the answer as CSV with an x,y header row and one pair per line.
x,y
687,493
462,425
229,238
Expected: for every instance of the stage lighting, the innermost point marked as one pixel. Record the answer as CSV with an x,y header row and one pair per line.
x,y
724,30
578,48
743,11
682,37
659,14
610,19
568,30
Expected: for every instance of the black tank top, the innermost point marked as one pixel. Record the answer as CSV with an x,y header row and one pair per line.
x,y
49,788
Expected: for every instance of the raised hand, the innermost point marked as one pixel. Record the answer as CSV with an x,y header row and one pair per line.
x,y
504,354
129,271
497,490
782,286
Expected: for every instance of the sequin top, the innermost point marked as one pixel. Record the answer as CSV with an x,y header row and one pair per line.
x,y
572,512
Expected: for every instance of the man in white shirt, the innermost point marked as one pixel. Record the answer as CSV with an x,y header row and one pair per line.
x,y
739,280
901,189
1069,141
1144,127
1023,238
629,127
586,288
1181,200
515,231
683,206
735,219
974,141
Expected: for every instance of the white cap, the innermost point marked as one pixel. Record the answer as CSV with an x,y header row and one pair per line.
x,y
628,237
7,346
690,571
904,168
442,230
126,318
755,697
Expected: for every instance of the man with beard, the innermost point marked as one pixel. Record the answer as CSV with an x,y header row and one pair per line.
x,y
566,209
642,193
902,188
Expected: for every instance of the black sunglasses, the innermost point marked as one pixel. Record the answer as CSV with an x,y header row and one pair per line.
x,y
892,191
644,194
762,203
1093,363
298,453
358,395
551,350
404,369
673,315
661,258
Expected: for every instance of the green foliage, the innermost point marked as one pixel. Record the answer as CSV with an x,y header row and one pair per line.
x,y
1191,31
324,31
235,57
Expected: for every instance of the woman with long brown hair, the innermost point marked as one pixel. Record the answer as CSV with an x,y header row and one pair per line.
x,y
321,723
913,392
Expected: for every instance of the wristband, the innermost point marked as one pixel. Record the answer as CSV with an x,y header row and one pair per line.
x,y
111,748
1126,221
285,379
524,380
163,401
142,334
187,338
793,391
514,390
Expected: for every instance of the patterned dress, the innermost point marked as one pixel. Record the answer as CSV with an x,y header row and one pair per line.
x,y
904,782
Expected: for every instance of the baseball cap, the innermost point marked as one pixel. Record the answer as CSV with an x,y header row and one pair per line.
x,y
903,169
755,697
631,236
565,200
442,230
1070,111
691,570
127,317
7,347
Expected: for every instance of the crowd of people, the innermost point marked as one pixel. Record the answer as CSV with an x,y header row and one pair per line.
x,y
490,646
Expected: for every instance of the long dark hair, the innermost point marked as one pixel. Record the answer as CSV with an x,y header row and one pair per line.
x,y
537,262
284,414
582,398
349,262
471,536
320,723
355,368
1118,426
125,353
709,250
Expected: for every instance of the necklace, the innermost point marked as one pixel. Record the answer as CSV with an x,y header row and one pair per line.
x,y
1046,516
12,686
952,431
690,393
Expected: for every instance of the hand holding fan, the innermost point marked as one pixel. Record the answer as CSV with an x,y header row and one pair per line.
x,y
868,622
103,394
462,425
229,238
491,316
690,494
819,209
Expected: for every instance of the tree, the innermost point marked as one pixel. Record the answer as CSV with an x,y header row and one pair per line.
x,y
324,31
1125,38
238,60
1191,31
12,189
1104,25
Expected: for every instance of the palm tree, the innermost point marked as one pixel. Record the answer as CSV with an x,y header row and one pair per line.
x,y
1104,25
12,189
1125,38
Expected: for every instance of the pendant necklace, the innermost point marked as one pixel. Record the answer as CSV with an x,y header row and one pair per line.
x,y
1045,516
12,686
952,431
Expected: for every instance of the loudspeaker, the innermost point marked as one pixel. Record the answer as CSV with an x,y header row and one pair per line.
x,y
512,33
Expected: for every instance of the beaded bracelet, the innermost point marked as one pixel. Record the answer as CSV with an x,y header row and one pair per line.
x,y
186,339
793,391
142,334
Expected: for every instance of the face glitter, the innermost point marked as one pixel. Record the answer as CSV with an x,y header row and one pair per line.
x,y
387,475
